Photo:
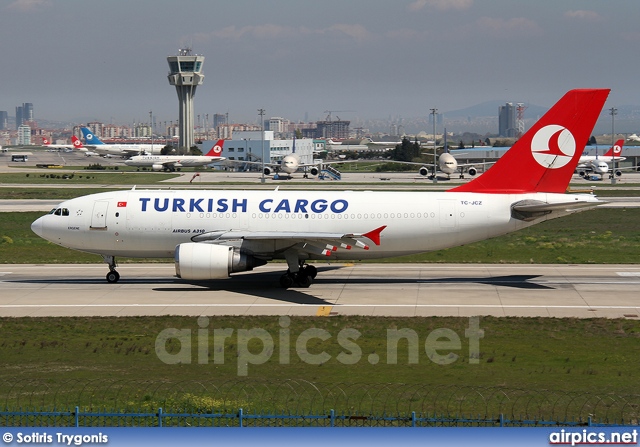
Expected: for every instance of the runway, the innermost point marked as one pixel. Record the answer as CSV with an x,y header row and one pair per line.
x,y
401,290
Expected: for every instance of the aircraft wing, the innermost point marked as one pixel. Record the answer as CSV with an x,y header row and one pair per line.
x,y
311,242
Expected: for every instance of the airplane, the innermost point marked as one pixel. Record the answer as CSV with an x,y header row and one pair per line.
x,y
47,143
289,164
594,164
94,143
212,234
633,137
173,162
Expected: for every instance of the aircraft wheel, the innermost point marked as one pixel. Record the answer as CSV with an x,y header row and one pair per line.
x,y
311,271
303,280
113,276
286,281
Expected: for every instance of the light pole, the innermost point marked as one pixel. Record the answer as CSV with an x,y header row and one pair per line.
x,y
261,113
435,177
613,112
151,128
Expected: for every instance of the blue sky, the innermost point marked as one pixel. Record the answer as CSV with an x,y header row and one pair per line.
x,y
106,60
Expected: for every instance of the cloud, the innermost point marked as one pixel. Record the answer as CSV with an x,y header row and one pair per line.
x,y
28,5
442,5
590,16
516,26
270,31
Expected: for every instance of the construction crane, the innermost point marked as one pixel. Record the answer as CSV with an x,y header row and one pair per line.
x,y
335,111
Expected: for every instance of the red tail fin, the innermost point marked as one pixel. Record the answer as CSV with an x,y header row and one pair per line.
x,y
615,150
544,159
216,150
45,141
76,142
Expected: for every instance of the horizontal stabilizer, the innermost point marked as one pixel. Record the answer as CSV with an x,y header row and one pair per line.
x,y
532,209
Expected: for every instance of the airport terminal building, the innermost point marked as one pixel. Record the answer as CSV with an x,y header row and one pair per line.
x,y
247,146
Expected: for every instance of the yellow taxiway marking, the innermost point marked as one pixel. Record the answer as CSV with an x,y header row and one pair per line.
x,y
324,311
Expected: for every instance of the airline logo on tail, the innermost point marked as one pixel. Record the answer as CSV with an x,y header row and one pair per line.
x,y
46,142
89,137
615,150
553,146
216,150
76,142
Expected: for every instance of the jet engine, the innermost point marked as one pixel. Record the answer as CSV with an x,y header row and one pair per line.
x,y
266,171
424,171
157,167
210,261
618,173
314,170
472,171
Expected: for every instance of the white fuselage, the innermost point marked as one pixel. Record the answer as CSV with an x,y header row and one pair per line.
x,y
177,160
123,149
146,223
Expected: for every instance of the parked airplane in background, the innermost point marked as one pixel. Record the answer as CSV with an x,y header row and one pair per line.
x,y
214,233
594,164
288,165
173,162
633,137
94,143
47,143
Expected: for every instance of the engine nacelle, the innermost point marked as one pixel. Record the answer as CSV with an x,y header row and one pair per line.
x,y
582,173
210,261
314,170
618,173
472,171
424,171
266,171
157,167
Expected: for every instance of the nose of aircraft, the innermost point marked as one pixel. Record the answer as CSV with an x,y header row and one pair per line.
x,y
36,226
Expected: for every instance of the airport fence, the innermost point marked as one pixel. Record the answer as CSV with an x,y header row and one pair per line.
x,y
244,403
163,418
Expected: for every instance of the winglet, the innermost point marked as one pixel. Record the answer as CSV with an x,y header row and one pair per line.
x,y
374,235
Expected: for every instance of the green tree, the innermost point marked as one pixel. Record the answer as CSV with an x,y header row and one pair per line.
x,y
406,151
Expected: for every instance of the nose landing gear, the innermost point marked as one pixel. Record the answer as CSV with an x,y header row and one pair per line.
x,y
113,276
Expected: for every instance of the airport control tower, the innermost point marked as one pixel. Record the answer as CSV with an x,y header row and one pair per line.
x,y
185,72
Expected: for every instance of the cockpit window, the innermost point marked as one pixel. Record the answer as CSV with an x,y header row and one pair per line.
x,y
60,211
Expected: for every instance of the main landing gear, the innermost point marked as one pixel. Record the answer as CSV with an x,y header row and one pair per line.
x,y
113,276
302,278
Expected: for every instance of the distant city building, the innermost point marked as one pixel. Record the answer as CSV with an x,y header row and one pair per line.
x,y
219,119
24,136
507,120
4,120
24,113
18,117
331,129
27,111
277,124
